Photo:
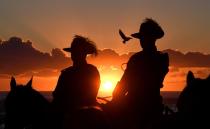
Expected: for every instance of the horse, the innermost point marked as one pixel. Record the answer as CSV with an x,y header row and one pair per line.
x,y
194,102
80,116
25,107
192,105
86,117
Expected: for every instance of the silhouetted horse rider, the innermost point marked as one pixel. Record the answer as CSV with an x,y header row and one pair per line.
x,y
77,85
141,82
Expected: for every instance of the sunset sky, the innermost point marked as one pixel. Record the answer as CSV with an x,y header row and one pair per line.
x,y
50,24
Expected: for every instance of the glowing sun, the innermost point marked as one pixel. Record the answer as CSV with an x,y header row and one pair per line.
x,y
107,85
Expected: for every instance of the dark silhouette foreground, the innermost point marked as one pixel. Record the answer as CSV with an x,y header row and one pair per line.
x,y
25,107
137,95
193,108
194,104
74,98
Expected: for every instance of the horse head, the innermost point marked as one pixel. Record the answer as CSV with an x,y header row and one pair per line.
x,y
24,105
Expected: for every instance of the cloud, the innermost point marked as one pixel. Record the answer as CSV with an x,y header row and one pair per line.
x,y
41,73
18,57
21,58
176,59
4,76
190,59
173,69
109,58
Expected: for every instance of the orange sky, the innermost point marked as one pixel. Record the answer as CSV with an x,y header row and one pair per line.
x,y
174,81
53,24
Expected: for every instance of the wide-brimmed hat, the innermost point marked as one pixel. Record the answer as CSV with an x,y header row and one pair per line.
x,y
149,28
83,45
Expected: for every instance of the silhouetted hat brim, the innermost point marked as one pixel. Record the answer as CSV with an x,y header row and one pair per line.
x,y
155,35
136,35
67,49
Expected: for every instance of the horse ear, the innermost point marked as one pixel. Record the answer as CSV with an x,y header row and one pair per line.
x,y
29,84
12,83
208,78
190,77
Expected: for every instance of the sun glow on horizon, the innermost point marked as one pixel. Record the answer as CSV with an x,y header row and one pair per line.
x,y
108,83
175,80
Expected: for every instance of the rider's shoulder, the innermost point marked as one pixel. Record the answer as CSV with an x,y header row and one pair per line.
x,y
66,69
137,55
